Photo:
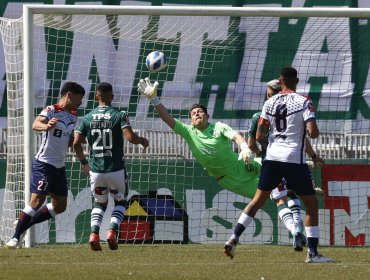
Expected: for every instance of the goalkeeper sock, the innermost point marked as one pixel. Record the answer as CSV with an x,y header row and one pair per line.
x,y
97,215
24,220
117,216
287,218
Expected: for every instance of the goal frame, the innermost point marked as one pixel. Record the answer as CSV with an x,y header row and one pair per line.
x,y
29,10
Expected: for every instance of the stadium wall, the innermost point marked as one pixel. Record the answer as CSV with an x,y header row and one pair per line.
x,y
347,198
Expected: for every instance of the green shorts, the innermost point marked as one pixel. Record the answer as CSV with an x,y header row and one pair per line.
x,y
243,180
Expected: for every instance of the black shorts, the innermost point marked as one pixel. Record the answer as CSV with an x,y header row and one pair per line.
x,y
298,177
46,179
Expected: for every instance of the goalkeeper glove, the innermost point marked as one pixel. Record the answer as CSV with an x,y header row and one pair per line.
x,y
148,89
245,153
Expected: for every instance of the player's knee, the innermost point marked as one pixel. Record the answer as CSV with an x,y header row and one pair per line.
x,y
59,208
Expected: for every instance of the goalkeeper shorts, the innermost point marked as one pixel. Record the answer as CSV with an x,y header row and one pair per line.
x,y
243,179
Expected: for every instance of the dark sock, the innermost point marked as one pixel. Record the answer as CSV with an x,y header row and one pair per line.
x,y
23,224
239,228
312,243
40,216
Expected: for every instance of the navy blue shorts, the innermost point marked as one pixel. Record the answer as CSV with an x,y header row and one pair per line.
x,y
298,177
46,179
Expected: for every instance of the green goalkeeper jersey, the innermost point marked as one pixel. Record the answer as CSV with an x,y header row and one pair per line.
x,y
211,147
103,129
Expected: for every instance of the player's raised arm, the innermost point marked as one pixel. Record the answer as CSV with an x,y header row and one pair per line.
x,y
145,87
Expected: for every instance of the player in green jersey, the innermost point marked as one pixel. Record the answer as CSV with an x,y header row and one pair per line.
x,y
104,128
210,145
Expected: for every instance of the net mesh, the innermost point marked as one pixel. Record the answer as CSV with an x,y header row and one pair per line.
x,y
222,62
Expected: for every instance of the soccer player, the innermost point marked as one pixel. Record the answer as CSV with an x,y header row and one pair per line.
x,y
280,194
57,123
209,143
287,117
104,128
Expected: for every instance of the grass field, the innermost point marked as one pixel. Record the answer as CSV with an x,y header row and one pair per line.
x,y
180,262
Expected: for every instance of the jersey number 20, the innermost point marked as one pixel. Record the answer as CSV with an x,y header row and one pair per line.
x,y
103,139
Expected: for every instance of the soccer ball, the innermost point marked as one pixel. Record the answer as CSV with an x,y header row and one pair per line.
x,y
156,61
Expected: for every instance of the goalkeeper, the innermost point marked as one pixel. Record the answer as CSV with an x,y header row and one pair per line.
x,y
209,143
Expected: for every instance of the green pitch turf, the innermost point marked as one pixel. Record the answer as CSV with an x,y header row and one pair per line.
x,y
180,262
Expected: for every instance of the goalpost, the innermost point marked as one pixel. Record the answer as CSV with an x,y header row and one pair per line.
x,y
221,57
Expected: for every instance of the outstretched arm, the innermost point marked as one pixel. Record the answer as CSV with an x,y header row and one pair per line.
x,y
165,116
145,87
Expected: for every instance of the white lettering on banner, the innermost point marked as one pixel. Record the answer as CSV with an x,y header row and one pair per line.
x,y
202,219
344,221
358,193
249,92
183,83
335,64
117,67
195,205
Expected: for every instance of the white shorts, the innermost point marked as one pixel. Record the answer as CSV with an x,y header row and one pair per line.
x,y
115,183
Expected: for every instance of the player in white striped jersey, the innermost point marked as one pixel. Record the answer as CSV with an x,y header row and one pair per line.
x,y
57,123
287,117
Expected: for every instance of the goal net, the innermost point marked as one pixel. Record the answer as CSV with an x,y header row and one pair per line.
x,y
219,57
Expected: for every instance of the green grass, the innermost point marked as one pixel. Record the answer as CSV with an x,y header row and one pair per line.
x,y
180,262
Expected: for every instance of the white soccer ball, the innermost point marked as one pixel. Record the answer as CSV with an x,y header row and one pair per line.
x,y
156,61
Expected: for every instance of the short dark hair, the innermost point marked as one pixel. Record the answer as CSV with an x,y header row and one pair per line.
x,y
104,88
289,73
197,106
73,87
